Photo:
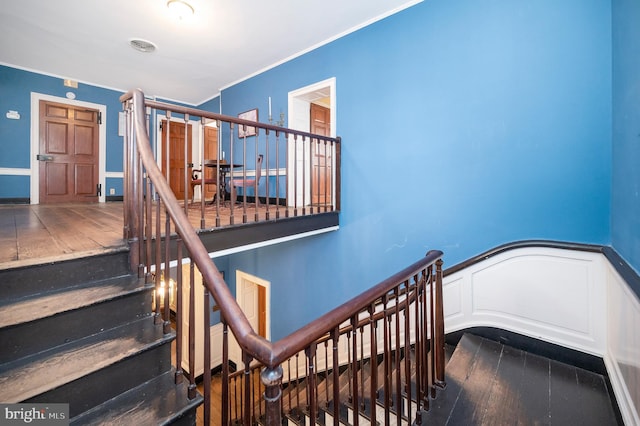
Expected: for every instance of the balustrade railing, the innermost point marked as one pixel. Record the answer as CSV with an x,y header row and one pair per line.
x,y
386,345
203,155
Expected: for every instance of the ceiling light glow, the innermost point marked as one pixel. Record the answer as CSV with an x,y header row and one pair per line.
x,y
181,9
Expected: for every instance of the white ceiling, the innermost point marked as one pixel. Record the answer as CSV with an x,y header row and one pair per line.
x,y
224,42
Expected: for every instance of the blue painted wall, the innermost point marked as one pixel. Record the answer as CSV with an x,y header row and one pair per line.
x,y
15,94
625,206
465,125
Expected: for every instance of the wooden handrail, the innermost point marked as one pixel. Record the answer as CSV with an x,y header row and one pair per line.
x,y
268,353
144,181
193,112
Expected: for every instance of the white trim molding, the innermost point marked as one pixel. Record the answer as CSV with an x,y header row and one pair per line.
x,y
8,171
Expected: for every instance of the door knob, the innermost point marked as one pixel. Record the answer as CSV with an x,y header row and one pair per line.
x,y
42,157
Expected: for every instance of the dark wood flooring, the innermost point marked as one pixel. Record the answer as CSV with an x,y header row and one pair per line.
x,y
492,384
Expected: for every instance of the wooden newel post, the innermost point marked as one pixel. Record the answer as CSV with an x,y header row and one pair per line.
x,y
272,380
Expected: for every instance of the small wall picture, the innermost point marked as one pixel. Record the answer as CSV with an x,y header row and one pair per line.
x,y
251,115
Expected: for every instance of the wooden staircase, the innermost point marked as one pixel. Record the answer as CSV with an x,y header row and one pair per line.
x,y
82,332
488,383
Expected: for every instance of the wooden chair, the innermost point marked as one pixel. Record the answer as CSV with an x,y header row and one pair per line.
x,y
247,183
196,180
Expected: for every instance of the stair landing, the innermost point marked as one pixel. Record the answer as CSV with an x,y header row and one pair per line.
x,y
489,383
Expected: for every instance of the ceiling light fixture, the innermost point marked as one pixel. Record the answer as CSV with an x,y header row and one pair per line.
x,y
180,8
143,46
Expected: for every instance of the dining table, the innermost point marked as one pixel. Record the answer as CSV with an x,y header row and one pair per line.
x,y
223,170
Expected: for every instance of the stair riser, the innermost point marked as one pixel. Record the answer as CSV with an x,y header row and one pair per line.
x,y
94,389
39,335
21,282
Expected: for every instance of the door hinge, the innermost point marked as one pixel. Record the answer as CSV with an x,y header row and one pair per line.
x,y
160,126
99,117
99,190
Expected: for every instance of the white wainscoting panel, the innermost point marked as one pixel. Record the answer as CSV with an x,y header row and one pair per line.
x,y
549,294
571,298
623,346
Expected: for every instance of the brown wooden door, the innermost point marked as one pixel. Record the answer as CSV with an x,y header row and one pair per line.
x,y
69,153
176,155
321,163
210,153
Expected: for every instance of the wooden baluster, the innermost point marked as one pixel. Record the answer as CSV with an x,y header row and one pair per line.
x,y
407,348
295,175
220,186
426,324
158,261
257,395
349,367
146,224
439,338
179,310
373,355
313,146
277,190
362,370
335,336
266,176
336,175
418,333
225,373
289,381
296,390
207,356
203,173
312,383
306,184
398,348
185,165
354,378
256,217
244,178
166,325
326,373
246,403
192,332
287,195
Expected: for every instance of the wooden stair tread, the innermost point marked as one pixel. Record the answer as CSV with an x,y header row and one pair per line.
x,y
27,377
157,401
14,312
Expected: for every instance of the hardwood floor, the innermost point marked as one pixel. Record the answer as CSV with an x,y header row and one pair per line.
x,y
493,384
32,234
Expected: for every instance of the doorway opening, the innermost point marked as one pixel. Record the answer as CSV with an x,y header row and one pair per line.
x,y
253,295
306,105
202,143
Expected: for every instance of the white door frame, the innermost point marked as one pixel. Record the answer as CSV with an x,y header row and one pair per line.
x,y
299,107
35,141
235,354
